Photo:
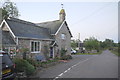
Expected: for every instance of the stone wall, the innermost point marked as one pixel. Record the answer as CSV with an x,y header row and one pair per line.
x,y
44,48
64,43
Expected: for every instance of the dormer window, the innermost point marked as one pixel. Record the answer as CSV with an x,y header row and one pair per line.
x,y
63,36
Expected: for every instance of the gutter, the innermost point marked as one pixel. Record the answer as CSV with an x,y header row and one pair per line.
x,y
35,38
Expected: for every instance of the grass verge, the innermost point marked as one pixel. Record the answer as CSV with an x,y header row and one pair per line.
x,y
115,52
89,53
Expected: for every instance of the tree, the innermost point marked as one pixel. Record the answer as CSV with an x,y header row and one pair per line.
x,y
102,45
74,44
91,44
9,9
108,43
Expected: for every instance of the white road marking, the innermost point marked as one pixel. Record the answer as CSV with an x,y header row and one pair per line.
x,y
60,74
71,68
65,71
74,66
57,77
68,68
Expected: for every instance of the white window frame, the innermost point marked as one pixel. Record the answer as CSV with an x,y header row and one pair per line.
x,y
37,48
63,36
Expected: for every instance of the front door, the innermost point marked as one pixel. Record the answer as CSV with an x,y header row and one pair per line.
x,y
51,52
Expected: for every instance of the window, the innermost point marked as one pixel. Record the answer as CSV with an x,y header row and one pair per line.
x,y
62,36
35,46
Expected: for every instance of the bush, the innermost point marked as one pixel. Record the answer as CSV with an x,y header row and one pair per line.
x,y
63,52
29,69
24,66
66,57
69,56
33,62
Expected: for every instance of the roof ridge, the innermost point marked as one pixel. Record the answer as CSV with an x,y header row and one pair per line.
x,y
25,22
47,22
40,27
20,21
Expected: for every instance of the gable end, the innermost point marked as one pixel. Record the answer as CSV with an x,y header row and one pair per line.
x,y
64,22
6,27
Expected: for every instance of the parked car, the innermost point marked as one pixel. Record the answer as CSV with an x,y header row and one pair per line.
x,y
7,66
73,51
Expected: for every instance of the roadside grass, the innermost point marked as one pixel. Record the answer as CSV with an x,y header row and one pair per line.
x,y
89,53
115,51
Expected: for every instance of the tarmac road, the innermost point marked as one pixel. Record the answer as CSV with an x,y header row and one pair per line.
x,y
104,65
101,66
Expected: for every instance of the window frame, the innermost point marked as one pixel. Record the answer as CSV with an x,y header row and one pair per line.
x,y
35,46
63,36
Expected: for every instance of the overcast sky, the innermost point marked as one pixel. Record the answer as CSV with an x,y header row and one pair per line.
x,y
97,19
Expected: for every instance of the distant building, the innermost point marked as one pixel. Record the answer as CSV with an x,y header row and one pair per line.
x,y
81,46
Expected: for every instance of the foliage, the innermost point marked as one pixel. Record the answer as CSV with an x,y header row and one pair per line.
x,y
102,45
24,66
108,43
88,53
33,62
91,44
74,44
63,52
115,50
48,63
9,9
66,57
24,51
29,69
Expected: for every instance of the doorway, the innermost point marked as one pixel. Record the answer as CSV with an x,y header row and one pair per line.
x,y
51,52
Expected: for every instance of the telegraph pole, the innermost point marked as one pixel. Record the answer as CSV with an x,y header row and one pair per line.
x,y
79,41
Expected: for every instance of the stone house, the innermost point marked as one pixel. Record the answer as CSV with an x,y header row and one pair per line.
x,y
47,38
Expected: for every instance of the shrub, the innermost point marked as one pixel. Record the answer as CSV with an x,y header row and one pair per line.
x,y
66,57
69,56
24,66
20,65
63,52
29,69
33,62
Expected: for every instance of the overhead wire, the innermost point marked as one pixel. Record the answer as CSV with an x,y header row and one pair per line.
x,y
92,14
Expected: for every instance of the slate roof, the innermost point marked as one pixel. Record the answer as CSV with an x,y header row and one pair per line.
x,y
26,29
52,25
7,39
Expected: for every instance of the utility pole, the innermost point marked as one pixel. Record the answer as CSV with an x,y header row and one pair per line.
x,y
79,36
79,41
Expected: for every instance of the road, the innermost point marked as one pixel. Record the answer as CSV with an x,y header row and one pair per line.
x,y
104,65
